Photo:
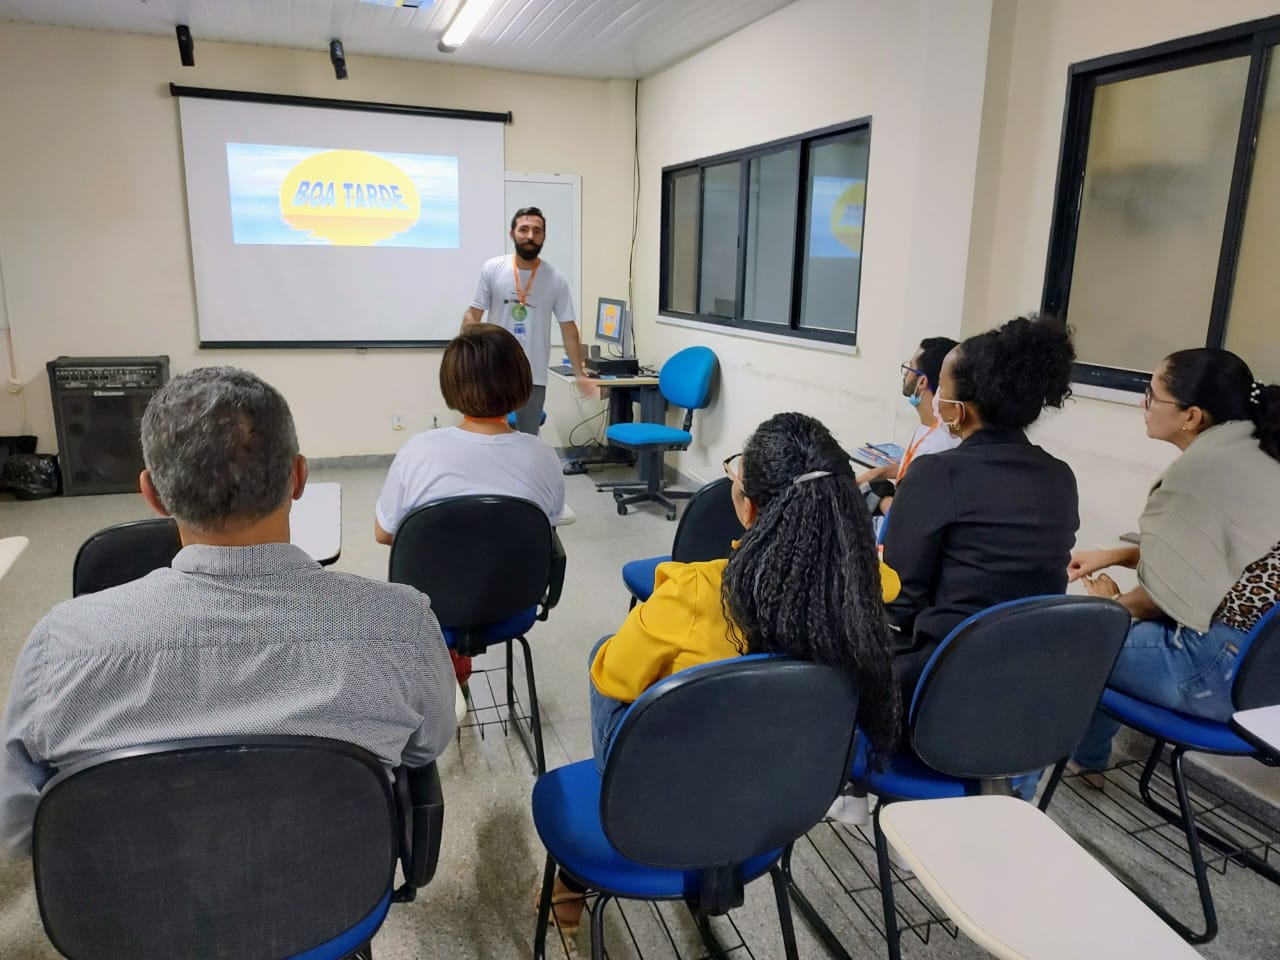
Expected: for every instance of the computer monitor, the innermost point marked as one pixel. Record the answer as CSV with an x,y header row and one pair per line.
x,y
613,324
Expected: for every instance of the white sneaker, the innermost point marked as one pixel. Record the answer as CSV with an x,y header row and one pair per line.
x,y
851,810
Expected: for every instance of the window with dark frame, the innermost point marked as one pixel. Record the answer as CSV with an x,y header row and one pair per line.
x,y
769,238
1168,192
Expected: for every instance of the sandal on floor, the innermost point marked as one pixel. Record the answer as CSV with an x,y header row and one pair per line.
x,y
570,930
1093,779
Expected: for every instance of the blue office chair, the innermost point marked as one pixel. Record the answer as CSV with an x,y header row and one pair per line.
x,y
1256,684
511,419
685,381
279,847
493,567
706,531
1010,691
694,804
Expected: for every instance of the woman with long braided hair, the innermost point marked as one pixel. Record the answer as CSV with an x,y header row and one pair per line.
x,y
804,580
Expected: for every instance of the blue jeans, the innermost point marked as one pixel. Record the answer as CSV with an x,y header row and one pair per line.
x,y
1170,666
606,713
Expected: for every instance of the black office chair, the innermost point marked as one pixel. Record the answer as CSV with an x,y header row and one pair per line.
x,y
1009,692
695,803
706,531
492,566
124,552
275,847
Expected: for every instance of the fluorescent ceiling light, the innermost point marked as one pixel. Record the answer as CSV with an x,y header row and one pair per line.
x,y
464,21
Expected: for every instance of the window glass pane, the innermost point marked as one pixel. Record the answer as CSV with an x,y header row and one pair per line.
x,y
771,236
835,196
682,242
1253,327
1152,210
720,191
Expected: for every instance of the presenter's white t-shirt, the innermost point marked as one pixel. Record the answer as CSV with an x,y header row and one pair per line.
x,y
451,462
496,295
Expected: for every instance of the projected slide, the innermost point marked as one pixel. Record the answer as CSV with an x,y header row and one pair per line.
x,y
835,220
307,196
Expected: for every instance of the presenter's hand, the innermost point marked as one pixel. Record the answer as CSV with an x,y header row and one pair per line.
x,y
1085,562
587,387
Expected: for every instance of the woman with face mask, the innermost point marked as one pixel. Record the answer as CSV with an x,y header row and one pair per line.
x,y
1209,559
995,518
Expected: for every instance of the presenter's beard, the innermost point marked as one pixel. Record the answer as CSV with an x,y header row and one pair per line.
x,y
528,250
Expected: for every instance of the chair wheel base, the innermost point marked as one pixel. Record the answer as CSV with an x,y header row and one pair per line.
x,y
622,510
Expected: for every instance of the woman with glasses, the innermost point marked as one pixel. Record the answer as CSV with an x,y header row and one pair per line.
x,y
1209,559
804,580
995,518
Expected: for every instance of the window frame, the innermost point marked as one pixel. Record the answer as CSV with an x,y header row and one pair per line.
x,y
1257,39
790,326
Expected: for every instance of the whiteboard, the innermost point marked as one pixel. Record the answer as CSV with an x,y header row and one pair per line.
x,y
559,197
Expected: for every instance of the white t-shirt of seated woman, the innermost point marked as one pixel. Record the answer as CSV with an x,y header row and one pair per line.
x,y
451,462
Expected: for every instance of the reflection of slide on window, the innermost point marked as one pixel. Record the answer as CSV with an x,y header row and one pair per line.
x,y
835,221
306,196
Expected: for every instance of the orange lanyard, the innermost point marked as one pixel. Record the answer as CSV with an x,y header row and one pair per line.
x,y
911,452
523,295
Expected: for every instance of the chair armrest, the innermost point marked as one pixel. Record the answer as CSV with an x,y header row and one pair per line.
x,y
559,561
420,805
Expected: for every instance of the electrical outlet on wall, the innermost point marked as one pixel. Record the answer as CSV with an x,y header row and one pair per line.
x,y
397,422
435,419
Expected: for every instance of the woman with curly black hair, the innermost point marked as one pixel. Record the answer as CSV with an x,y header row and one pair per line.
x,y
1209,559
804,581
995,518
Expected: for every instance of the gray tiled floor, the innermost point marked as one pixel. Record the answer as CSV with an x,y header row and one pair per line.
x,y
481,903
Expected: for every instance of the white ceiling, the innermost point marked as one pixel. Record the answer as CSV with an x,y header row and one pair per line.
x,y
586,38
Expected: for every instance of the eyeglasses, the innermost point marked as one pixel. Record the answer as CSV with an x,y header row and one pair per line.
x,y
733,466
908,368
1148,398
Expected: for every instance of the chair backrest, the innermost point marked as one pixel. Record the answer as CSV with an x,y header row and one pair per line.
x,y
124,552
235,847
480,559
708,526
1257,680
723,762
1011,690
685,379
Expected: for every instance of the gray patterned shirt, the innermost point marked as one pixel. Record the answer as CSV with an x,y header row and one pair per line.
x,y
229,641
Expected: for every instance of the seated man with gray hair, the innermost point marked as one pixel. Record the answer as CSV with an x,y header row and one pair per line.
x,y
244,634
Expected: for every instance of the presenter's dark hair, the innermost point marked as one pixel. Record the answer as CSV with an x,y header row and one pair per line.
x,y
220,446
484,372
932,352
1013,372
805,578
529,212
1222,385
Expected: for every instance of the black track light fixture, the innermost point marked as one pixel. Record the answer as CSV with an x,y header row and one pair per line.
x,y
186,46
338,58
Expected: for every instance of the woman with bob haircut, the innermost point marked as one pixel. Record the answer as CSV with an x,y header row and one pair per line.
x,y
1209,559
484,375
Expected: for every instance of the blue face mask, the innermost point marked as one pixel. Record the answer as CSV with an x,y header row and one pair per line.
x,y
914,399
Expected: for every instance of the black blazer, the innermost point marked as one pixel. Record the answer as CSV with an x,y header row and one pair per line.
x,y
992,520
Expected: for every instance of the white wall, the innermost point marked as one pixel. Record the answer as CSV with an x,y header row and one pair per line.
x,y
917,69
93,233
1033,43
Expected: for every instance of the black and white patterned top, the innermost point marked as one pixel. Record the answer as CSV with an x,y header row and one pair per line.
x,y
1256,592
229,641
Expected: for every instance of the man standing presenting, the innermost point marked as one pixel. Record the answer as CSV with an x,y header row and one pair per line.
x,y
919,381
521,293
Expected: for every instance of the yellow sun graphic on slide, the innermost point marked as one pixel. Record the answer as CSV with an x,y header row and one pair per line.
x,y
849,234
349,197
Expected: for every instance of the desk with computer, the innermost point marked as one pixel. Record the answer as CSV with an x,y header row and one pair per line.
x,y
621,377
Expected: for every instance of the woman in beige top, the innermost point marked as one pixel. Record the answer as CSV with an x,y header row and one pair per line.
x,y
1209,559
